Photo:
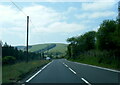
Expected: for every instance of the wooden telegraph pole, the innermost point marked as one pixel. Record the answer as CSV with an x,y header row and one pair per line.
x,y
27,35
119,12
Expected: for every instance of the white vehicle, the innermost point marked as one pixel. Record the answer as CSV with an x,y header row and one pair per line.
x,y
47,58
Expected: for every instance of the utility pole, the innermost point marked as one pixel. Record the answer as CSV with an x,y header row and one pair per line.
x,y
27,35
119,12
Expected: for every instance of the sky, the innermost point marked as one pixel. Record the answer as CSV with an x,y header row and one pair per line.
x,y
52,22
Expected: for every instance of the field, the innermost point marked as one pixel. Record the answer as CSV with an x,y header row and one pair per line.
x,y
18,71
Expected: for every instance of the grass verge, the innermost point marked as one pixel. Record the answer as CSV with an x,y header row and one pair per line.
x,y
95,61
18,71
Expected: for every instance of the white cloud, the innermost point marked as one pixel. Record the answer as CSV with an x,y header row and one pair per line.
x,y
44,19
42,15
61,27
96,29
97,6
103,14
95,15
71,9
58,0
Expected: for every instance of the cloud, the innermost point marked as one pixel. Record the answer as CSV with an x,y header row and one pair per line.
x,y
97,6
44,20
71,9
95,15
59,27
58,0
47,21
42,15
96,29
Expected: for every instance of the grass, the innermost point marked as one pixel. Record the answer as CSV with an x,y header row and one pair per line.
x,y
20,70
95,61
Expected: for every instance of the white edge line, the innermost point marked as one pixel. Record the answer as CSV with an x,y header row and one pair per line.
x,y
38,72
98,67
72,71
85,81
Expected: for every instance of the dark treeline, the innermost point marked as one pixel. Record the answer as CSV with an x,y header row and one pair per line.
x,y
103,44
11,55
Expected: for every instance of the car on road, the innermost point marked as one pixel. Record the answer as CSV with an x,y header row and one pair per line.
x,y
48,58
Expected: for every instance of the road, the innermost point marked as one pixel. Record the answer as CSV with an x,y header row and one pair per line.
x,y
64,71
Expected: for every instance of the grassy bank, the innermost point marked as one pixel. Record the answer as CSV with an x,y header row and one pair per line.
x,y
18,71
98,62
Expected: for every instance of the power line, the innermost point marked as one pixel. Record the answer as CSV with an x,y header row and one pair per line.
x,y
18,8
22,11
32,23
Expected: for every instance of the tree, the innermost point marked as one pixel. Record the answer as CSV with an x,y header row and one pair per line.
x,y
81,44
105,35
89,40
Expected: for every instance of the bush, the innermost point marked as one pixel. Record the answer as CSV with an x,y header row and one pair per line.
x,y
8,60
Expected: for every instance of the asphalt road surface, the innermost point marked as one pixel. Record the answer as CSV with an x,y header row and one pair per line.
x,y
64,71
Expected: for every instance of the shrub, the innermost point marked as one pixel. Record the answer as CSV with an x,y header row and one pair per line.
x,y
8,60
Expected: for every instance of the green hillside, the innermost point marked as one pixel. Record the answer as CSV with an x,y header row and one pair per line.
x,y
37,47
60,47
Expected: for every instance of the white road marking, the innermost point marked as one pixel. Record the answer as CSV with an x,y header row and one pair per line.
x,y
70,68
38,72
85,81
72,71
97,67
66,65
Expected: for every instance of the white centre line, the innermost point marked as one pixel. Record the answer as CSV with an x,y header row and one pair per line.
x,y
38,72
70,68
72,71
66,65
85,81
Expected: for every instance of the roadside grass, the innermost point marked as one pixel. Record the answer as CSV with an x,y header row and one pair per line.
x,y
96,61
18,71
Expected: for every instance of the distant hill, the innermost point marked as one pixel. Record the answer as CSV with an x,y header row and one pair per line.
x,y
20,47
23,47
37,47
59,48
47,47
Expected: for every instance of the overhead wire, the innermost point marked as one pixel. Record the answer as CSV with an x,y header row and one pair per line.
x,y
18,7
21,11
